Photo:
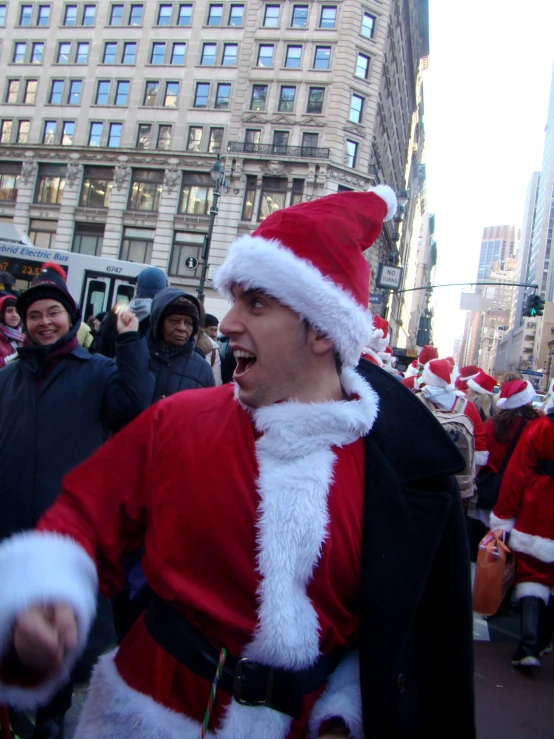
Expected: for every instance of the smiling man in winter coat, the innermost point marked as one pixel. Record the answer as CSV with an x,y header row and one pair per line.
x,y
313,560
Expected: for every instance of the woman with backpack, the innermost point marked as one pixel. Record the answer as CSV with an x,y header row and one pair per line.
x,y
525,508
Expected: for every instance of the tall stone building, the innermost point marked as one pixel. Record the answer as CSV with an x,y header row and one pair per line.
x,y
113,112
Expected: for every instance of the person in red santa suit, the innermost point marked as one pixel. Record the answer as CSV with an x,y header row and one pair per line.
x,y
315,552
466,373
525,508
427,353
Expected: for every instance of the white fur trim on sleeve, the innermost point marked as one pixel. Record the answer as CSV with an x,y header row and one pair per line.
x,y
343,698
536,546
481,459
37,568
501,524
387,194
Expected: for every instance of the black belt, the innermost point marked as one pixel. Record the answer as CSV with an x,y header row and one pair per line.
x,y
249,682
545,467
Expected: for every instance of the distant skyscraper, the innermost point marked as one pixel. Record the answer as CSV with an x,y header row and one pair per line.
x,y
524,253
498,244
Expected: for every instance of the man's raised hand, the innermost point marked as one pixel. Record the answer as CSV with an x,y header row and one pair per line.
x,y
43,635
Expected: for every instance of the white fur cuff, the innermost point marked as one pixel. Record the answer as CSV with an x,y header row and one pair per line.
x,y
37,568
536,546
481,459
343,698
502,524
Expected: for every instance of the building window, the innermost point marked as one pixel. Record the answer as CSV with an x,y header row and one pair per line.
x,y
280,142
137,245
249,198
259,95
351,153
164,137
164,15
144,135
3,15
75,88
297,192
51,183
236,15
70,15
265,55
178,53
19,50
68,132
215,15
89,15
201,94
230,52
322,57
216,140
56,91
151,90
146,189
81,56
43,233
292,59
273,196
102,92
129,53
23,128
271,16
114,135
252,138
158,53
6,128
12,93
43,15
286,99
368,25
88,239
299,16
222,96
356,107
196,194
135,16
110,51
37,53
185,246
49,134
315,100
362,66
208,54
64,50
171,94
116,15
95,134
185,15
30,96
9,179
25,15
97,187
122,92
328,16
195,138
309,144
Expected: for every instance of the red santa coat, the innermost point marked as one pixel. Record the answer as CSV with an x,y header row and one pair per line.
x,y
266,563
525,507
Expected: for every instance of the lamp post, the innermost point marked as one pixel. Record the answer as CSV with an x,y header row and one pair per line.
x,y
394,254
217,173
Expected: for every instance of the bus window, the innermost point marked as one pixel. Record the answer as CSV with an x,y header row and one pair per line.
x,y
96,298
124,293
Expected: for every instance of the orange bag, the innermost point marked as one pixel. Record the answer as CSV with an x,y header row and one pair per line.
x,y
494,575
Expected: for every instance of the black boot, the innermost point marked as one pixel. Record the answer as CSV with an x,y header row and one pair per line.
x,y
547,629
527,652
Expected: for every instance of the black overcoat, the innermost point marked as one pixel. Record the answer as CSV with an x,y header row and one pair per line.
x,y
416,626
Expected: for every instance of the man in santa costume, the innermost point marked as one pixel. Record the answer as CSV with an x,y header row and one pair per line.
x,y
311,561
426,354
378,351
469,372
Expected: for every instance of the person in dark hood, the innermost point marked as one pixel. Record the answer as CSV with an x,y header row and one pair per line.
x,y
57,405
175,319
7,282
11,336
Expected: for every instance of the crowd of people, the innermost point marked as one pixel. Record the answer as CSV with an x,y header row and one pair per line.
x,y
273,548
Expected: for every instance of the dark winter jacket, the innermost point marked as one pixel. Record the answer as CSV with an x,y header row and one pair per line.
x,y
183,370
45,434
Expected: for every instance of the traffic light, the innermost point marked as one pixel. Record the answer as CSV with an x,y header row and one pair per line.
x,y
534,306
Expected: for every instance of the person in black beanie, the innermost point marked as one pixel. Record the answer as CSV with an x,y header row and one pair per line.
x,y
66,402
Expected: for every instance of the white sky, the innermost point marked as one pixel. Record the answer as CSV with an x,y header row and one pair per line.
x,y
486,98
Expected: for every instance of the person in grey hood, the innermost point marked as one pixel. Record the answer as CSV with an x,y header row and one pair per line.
x,y
149,283
174,322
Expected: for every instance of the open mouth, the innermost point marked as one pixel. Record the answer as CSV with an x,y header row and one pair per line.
x,y
245,361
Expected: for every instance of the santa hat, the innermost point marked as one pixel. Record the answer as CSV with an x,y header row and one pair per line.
x,y
49,284
470,370
515,394
438,373
482,383
451,360
310,258
377,349
428,353
413,369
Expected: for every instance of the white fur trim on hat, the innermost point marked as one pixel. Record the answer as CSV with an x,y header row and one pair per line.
x,y
478,389
257,263
387,194
518,400
429,378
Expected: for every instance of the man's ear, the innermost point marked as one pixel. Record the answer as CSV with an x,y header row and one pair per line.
x,y
320,343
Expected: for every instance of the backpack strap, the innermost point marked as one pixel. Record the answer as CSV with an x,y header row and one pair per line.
x,y
512,446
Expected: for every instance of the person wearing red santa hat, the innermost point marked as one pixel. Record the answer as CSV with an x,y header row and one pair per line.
x,y
466,373
480,391
301,568
525,508
426,354
378,351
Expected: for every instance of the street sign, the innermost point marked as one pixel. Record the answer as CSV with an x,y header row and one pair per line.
x,y
191,263
531,372
388,277
375,298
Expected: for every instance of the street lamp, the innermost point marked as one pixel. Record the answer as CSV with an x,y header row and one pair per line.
x,y
217,173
